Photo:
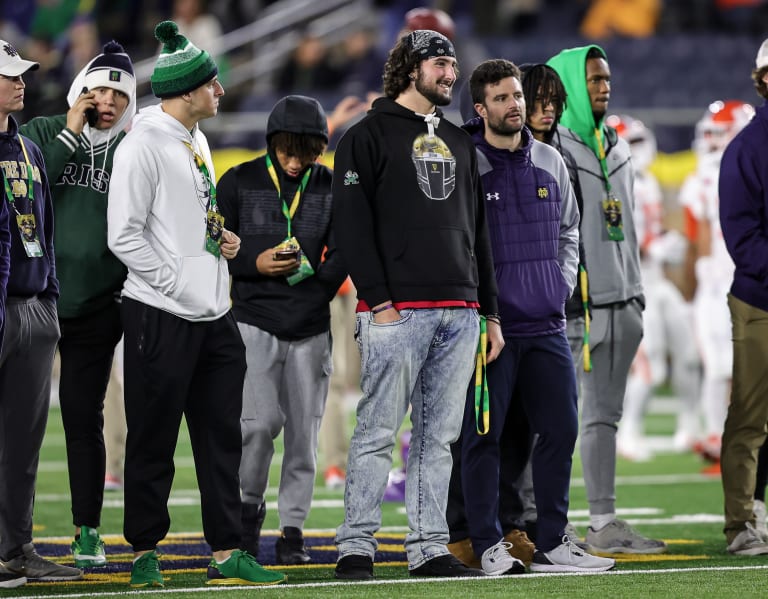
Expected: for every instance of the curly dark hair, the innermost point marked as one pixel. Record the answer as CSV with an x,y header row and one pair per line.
x,y
306,148
490,71
401,62
760,85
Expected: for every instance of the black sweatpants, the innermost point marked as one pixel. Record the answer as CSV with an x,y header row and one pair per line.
x,y
173,367
86,348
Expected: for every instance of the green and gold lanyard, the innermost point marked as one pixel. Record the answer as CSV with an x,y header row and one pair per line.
x,y
482,400
288,212
214,221
26,222
611,204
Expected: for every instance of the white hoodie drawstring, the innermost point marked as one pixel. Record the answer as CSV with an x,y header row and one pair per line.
x,y
432,121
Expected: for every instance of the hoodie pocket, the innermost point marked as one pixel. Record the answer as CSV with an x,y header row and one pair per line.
x,y
196,290
441,256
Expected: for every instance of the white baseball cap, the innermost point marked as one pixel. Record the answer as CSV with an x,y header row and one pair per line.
x,y
11,64
762,56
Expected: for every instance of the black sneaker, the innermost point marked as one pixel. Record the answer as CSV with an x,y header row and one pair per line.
x,y
11,580
445,565
253,515
289,548
354,567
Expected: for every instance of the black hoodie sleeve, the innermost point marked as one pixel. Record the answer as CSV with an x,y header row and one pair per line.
x,y
354,193
487,290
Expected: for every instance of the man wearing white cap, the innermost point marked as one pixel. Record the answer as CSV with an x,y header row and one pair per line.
x,y
743,188
31,333
78,148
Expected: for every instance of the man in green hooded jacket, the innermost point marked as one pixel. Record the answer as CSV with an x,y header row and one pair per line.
x,y
612,252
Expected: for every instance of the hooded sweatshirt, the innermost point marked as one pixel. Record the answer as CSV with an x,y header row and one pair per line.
x,y
409,214
5,263
37,275
533,222
252,209
156,222
744,209
79,168
614,266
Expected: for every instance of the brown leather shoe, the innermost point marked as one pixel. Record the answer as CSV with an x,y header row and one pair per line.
x,y
522,547
463,551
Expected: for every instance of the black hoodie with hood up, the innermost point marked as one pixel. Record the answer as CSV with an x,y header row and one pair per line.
x,y
252,209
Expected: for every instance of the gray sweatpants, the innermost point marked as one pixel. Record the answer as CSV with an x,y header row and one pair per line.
x,y
286,386
615,335
31,334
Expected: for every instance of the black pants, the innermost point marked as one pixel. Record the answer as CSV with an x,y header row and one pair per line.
x,y
86,348
176,367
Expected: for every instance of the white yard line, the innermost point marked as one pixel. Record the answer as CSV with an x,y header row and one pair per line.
x,y
399,581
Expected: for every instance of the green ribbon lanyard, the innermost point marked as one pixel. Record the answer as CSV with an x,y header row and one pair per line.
x,y
30,183
482,399
603,163
203,167
584,280
288,212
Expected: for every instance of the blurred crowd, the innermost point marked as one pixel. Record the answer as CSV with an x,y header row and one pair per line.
x,y
63,34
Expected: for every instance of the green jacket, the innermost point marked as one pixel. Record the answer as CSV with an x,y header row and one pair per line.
x,y
90,276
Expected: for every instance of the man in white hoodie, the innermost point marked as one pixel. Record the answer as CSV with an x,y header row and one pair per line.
x,y
183,351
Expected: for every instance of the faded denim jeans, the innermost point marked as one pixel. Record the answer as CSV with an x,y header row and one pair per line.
x,y
425,360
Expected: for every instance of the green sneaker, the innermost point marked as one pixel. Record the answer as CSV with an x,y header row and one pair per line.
x,y
88,549
145,571
242,568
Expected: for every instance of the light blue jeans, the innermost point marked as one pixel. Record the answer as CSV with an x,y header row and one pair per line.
x,y
425,360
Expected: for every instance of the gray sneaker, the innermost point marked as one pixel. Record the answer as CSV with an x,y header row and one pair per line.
x,y
619,537
34,567
761,519
748,542
575,537
10,580
567,557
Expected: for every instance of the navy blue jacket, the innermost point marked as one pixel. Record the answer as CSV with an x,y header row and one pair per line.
x,y
743,191
28,276
5,263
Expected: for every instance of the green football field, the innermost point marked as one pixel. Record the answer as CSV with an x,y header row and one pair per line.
x,y
665,497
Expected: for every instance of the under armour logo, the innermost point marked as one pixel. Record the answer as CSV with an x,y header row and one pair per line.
x,y
10,50
492,196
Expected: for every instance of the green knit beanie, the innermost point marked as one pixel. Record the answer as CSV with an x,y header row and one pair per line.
x,y
181,66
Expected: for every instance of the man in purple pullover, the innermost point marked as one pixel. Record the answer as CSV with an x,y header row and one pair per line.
x,y
743,191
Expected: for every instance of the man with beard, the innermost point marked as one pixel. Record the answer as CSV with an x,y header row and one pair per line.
x,y
612,252
534,233
409,221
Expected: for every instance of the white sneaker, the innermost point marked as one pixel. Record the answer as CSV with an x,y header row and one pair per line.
x,y
760,518
496,560
573,534
748,542
567,557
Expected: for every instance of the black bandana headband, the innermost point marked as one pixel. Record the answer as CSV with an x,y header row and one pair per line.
x,y
429,44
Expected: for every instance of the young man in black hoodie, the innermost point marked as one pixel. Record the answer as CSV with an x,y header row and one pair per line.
x,y
280,206
30,336
409,221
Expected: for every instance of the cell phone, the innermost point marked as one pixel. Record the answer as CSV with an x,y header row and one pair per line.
x,y
91,114
286,254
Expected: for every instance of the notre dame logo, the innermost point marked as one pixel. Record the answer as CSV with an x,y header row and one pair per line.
x,y
10,50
